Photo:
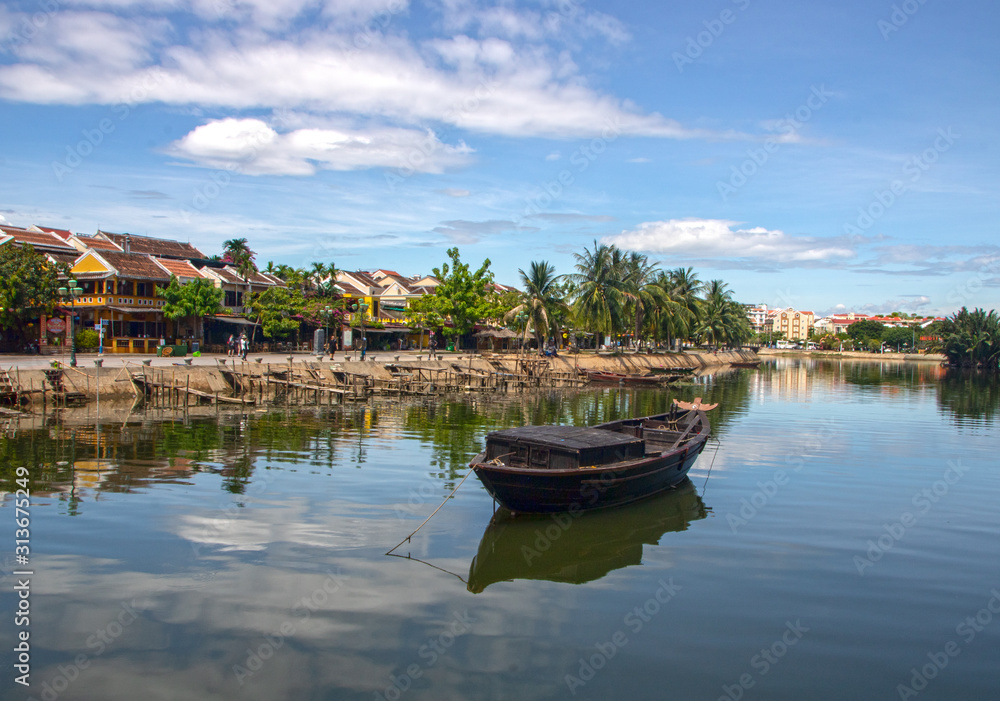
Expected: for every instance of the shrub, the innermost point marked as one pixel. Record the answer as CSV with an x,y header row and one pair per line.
x,y
87,338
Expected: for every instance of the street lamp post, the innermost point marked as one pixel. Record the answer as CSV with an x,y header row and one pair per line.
x,y
361,307
70,294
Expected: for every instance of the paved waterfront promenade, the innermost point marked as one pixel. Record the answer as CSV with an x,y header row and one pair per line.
x,y
117,360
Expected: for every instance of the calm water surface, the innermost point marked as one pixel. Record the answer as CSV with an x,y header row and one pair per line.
x,y
839,540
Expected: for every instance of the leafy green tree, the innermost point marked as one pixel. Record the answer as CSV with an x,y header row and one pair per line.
x,y
422,314
499,305
275,310
29,287
194,300
463,297
898,336
867,333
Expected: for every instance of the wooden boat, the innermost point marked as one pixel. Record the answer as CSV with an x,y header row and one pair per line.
x,y
746,364
537,469
621,378
586,546
672,370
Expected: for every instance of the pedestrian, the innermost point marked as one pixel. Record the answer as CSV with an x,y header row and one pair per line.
x,y
244,346
231,345
364,348
433,348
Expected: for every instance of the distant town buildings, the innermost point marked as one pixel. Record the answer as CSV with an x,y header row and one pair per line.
x,y
794,324
839,323
119,273
798,325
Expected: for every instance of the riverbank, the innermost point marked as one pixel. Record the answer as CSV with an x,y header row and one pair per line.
x,y
854,355
32,380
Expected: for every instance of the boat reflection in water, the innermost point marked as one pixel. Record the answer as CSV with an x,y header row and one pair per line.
x,y
582,547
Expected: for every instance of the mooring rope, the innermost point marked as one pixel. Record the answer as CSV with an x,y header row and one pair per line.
x,y
718,445
433,512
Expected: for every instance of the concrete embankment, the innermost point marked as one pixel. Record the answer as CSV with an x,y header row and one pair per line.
x,y
854,355
116,381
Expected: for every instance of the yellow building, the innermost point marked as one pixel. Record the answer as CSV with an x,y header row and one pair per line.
x,y
795,325
119,291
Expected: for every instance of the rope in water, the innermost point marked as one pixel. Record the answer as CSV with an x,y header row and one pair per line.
x,y
433,512
718,445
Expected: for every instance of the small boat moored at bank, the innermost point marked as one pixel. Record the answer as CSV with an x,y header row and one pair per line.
x,y
537,469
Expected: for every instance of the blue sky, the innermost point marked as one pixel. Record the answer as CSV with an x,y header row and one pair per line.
x,y
822,155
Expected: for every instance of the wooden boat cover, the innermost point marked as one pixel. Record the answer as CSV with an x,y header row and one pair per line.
x,y
566,437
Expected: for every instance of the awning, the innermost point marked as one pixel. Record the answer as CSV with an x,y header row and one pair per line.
x,y
131,310
495,333
231,320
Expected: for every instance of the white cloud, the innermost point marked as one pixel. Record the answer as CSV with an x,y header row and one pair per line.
x,y
486,85
253,147
455,192
717,238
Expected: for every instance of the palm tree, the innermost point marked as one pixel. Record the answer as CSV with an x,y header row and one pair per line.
x,y
723,320
641,289
317,275
600,299
542,299
237,252
685,288
671,317
971,338
331,272
712,324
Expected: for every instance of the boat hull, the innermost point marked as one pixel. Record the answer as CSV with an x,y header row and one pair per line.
x,y
526,490
619,378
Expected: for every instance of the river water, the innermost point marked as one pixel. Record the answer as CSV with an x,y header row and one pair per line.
x,y
838,539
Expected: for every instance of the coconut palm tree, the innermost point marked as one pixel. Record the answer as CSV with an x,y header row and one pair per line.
x,y
641,289
331,274
237,252
542,300
316,275
600,299
685,289
723,320
670,318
